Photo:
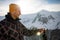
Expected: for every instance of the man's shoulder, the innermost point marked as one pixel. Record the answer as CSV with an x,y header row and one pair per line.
x,y
2,21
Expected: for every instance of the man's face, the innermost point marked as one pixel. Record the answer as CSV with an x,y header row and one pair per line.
x,y
16,13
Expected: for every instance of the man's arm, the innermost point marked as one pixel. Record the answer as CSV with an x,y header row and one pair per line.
x,y
1,32
28,32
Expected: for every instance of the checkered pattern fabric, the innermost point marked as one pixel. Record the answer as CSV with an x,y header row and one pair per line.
x,y
11,31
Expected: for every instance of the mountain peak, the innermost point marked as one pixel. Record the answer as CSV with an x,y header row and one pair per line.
x,y
44,11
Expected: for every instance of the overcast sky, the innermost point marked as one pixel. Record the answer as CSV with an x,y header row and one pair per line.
x,y
30,6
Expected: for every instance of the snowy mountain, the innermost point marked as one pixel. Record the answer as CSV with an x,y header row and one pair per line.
x,y
42,19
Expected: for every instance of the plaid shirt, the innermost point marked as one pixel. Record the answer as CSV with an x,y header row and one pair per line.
x,y
12,29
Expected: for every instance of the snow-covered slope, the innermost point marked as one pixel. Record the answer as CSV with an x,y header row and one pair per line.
x,y
1,18
42,19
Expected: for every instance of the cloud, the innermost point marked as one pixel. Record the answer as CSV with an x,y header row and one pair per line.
x,y
31,6
6,2
49,1
44,4
53,1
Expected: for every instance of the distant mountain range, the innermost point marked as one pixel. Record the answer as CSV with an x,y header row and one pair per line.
x,y
41,19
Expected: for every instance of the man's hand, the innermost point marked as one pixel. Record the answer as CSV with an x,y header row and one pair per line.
x,y
40,31
36,31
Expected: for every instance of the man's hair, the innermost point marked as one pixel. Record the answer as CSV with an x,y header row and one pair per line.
x,y
12,7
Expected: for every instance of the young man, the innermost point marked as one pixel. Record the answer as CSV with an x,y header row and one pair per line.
x,y
11,28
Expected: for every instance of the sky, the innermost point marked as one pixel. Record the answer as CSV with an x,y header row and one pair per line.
x,y
30,6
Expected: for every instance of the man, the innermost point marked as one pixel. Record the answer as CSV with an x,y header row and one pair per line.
x,y
11,28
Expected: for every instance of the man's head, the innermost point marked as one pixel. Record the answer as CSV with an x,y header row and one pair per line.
x,y
14,10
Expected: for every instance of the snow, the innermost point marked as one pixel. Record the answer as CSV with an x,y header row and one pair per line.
x,y
51,23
